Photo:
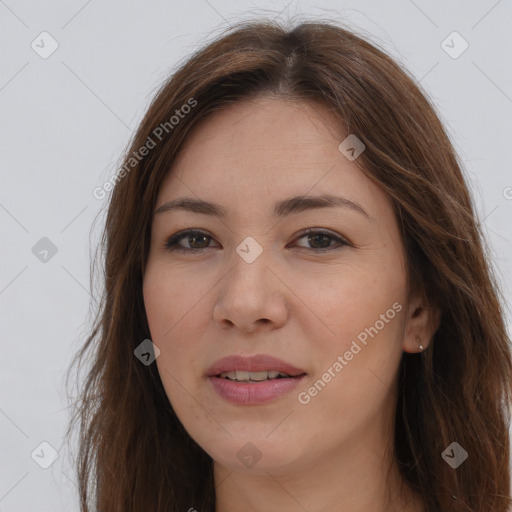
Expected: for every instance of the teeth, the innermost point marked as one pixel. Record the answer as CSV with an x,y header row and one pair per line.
x,y
252,376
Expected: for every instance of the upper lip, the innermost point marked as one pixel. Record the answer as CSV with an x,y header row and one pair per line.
x,y
257,363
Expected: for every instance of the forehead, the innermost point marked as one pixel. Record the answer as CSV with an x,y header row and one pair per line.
x,y
266,149
265,130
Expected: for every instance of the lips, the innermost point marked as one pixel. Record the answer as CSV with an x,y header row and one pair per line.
x,y
257,363
253,392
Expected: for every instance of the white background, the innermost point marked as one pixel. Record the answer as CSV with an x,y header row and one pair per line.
x,y
65,121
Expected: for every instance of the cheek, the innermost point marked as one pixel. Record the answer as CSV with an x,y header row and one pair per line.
x,y
170,298
176,309
166,303
360,318
349,393
352,299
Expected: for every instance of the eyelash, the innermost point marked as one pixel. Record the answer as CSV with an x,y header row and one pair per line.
x,y
171,244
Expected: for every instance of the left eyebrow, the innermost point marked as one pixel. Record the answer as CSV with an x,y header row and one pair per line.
x,y
281,209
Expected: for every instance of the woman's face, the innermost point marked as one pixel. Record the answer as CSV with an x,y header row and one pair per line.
x,y
331,303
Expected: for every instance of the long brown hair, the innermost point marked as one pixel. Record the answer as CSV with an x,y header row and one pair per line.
x,y
134,454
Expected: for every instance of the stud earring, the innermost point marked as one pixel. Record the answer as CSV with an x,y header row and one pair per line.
x,y
418,341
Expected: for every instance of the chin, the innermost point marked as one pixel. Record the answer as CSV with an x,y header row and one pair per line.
x,y
255,453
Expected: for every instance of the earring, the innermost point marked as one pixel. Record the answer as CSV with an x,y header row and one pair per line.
x,y
418,341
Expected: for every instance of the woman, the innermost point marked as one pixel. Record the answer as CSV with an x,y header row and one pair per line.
x,y
298,310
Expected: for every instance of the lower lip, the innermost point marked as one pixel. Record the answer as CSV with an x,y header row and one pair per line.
x,y
247,393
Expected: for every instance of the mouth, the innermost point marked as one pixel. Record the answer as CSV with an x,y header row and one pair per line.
x,y
253,380
255,368
255,377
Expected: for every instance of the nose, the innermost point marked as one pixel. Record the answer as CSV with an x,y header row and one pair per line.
x,y
251,297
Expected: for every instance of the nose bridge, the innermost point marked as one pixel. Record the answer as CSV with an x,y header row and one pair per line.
x,y
249,292
249,271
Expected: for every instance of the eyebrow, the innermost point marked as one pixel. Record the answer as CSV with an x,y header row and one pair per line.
x,y
281,209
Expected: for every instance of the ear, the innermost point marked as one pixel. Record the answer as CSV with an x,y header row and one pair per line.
x,y
421,324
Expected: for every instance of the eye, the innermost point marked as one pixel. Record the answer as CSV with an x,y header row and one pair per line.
x,y
195,238
321,240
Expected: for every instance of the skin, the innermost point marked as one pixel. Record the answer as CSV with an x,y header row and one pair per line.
x,y
299,305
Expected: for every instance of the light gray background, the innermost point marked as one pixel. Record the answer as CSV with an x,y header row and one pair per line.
x,y
66,119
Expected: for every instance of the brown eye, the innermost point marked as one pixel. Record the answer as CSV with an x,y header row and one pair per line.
x,y
197,241
322,240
